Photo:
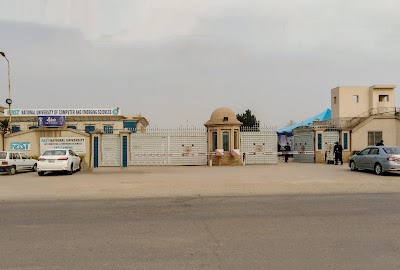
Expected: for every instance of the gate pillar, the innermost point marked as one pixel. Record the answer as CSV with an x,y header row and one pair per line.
x,y
125,149
95,148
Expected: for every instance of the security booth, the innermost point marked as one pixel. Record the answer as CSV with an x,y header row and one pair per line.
x,y
303,144
223,136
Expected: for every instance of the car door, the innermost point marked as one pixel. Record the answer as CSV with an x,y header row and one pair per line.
x,y
371,158
28,163
17,161
77,159
361,158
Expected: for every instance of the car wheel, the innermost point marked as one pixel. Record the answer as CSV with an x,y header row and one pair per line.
x,y
34,168
378,169
353,166
40,173
71,171
12,170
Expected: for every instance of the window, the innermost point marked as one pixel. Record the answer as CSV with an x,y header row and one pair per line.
x,y
55,153
32,127
345,141
225,140
15,129
389,150
108,129
365,151
15,156
355,99
319,141
89,129
23,156
72,127
130,125
383,98
374,151
334,100
214,140
235,140
374,137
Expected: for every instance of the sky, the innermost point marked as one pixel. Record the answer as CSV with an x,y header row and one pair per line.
x,y
176,61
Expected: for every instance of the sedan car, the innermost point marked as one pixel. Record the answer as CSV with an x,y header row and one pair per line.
x,y
380,159
64,160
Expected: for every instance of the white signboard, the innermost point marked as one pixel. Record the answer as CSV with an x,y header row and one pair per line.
x,y
63,112
78,144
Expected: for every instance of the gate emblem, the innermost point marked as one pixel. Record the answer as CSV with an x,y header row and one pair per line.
x,y
259,148
187,150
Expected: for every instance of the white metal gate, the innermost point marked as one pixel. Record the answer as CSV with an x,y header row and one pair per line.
x,y
259,146
303,140
329,137
110,150
169,147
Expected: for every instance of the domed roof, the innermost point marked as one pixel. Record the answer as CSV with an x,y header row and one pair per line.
x,y
223,116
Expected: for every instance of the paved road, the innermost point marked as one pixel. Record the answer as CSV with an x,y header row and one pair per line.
x,y
346,231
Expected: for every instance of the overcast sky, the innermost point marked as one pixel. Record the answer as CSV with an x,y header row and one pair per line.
x,y
176,61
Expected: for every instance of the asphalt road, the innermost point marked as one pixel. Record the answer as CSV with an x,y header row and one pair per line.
x,y
344,231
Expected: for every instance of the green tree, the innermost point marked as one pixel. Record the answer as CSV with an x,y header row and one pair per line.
x,y
4,125
248,119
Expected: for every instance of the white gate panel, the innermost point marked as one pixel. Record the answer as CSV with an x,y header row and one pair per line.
x,y
149,149
329,138
259,146
110,150
188,148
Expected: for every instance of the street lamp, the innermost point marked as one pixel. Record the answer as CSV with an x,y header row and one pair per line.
x,y
8,100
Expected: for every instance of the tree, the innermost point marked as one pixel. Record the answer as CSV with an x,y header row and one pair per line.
x,y
290,123
4,125
248,119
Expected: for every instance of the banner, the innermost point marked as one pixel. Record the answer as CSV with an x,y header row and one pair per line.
x,y
77,144
20,146
51,121
63,112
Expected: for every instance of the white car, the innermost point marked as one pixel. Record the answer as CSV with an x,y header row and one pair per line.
x,y
56,160
13,162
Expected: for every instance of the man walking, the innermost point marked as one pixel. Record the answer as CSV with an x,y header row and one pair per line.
x,y
337,150
380,143
287,149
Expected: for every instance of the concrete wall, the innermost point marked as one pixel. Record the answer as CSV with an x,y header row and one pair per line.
x,y
33,136
375,91
345,107
389,127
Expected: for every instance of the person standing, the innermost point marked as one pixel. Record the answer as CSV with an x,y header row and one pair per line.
x,y
337,150
380,143
287,150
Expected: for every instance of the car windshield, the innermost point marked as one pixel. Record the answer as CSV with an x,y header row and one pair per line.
x,y
3,155
392,150
54,153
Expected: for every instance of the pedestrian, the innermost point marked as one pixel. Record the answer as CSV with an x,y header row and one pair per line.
x,y
287,150
380,143
337,150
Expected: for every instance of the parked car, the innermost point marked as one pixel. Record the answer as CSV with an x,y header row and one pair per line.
x,y
13,162
64,160
380,159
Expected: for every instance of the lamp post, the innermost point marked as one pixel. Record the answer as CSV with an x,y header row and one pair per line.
x,y
8,100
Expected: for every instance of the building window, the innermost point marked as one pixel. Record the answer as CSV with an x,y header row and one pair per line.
x,y
374,137
345,141
89,129
334,100
355,99
319,141
130,125
383,98
15,129
72,127
214,140
32,127
235,140
108,129
225,140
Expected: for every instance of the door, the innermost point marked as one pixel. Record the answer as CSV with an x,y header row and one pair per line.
x,y
27,162
16,160
371,158
361,158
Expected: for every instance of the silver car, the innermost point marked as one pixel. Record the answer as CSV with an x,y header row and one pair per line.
x,y
380,159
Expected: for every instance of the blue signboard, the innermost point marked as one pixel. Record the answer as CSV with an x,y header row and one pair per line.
x,y
51,121
20,146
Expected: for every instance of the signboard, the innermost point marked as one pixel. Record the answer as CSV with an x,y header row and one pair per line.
x,y
51,121
78,144
63,112
20,146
